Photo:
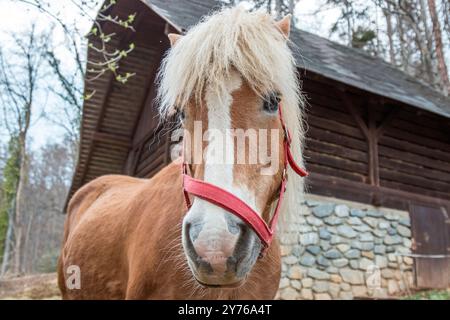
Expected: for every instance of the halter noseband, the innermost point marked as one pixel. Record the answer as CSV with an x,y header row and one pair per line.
x,y
236,206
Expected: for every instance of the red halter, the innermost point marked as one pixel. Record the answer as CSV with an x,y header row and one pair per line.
x,y
236,206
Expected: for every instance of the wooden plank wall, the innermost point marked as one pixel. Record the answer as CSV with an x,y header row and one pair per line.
x,y
414,154
335,146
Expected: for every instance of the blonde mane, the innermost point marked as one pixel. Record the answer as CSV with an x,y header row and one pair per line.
x,y
250,43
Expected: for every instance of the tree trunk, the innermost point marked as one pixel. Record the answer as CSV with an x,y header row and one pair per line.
x,y
349,24
442,67
18,223
421,43
390,33
27,261
9,238
291,7
278,8
424,17
269,6
403,52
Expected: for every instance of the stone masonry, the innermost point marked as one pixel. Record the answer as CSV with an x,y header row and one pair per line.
x,y
343,250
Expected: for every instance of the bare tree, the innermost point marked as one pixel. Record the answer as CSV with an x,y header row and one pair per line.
x,y
278,8
3,216
414,35
67,85
408,24
446,16
110,57
390,34
425,24
19,83
415,12
439,47
50,172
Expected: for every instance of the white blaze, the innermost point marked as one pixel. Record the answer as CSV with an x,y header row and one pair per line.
x,y
220,173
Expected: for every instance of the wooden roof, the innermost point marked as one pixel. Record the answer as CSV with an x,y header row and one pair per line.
x,y
110,117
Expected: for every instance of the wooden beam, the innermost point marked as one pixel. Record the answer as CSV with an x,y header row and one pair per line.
x,y
137,156
386,121
376,195
368,132
168,28
375,133
371,132
374,166
167,145
356,116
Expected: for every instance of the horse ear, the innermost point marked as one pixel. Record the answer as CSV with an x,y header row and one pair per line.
x,y
173,38
285,25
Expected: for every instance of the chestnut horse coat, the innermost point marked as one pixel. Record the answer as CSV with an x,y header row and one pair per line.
x,y
124,234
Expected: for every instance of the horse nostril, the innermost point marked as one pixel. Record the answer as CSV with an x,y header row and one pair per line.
x,y
193,229
235,225
243,227
234,228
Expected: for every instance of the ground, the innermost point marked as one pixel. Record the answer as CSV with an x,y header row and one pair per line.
x,y
30,287
44,287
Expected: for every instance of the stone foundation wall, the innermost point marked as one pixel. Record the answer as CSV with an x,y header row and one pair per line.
x,y
344,250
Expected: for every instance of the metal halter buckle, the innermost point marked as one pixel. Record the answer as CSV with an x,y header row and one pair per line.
x,y
287,135
285,175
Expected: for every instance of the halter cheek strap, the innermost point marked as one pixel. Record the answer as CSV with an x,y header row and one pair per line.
x,y
236,206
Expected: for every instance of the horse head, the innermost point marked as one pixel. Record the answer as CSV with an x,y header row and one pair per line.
x,y
227,77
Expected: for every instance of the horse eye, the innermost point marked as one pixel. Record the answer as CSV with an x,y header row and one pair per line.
x,y
271,103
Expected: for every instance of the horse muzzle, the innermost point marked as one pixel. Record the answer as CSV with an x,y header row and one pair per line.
x,y
220,254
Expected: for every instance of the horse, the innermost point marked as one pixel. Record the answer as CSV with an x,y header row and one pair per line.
x,y
160,237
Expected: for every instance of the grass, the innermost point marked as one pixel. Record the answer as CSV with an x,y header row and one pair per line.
x,y
430,295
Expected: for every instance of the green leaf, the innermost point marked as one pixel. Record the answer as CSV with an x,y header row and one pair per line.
x,y
131,17
112,66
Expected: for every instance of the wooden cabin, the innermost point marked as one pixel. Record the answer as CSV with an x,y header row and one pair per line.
x,y
375,135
